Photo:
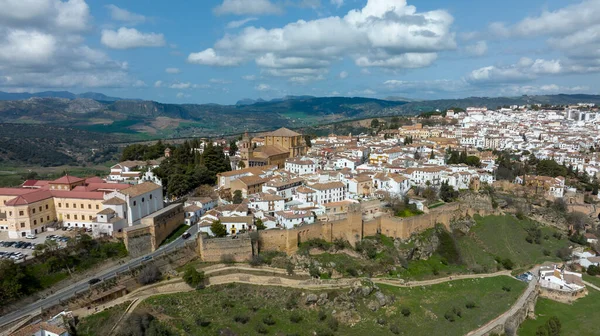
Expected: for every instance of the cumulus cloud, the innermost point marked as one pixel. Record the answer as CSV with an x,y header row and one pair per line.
x,y
343,75
430,86
128,38
219,81
181,86
262,87
158,84
249,77
210,57
123,15
41,46
541,89
239,23
384,33
477,49
172,70
337,3
247,7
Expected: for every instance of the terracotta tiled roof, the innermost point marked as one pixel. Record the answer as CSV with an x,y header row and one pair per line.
x,y
283,132
114,201
139,189
36,328
67,179
30,198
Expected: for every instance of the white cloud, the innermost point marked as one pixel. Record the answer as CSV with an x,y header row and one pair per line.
x,y
128,38
343,75
542,89
365,92
219,81
384,33
158,84
249,77
181,95
239,23
338,3
123,15
172,70
139,83
181,86
262,87
431,86
247,7
210,57
56,15
477,49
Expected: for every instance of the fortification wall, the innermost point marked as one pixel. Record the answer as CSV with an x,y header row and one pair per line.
x,y
214,249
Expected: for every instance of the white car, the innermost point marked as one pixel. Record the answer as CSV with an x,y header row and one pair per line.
x,y
30,236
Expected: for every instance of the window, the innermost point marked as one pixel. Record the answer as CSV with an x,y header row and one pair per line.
x,y
74,206
32,210
89,206
40,208
143,200
97,207
90,217
34,222
20,213
42,220
67,205
47,217
10,213
22,224
46,206
82,205
75,216
150,196
68,216
134,203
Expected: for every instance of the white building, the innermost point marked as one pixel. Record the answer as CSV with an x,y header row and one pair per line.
x,y
288,219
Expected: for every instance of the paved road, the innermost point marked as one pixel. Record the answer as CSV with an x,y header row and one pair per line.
x,y
68,292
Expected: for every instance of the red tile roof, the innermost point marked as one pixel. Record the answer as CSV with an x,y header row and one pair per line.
x,y
29,198
67,179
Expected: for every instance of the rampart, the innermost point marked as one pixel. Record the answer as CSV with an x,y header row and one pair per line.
x,y
354,228
146,237
215,249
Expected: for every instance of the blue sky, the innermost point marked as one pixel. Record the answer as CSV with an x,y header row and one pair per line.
x,y
221,51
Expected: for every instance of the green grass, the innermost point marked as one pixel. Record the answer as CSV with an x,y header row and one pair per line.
x,y
579,318
220,304
439,204
102,322
504,236
431,268
343,262
175,234
408,213
594,280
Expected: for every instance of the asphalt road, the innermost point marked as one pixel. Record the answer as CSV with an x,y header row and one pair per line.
x,y
68,292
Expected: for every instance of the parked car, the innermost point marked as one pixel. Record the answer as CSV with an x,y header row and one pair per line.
x,y
186,235
30,236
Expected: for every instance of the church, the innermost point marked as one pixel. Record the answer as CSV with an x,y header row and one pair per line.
x,y
279,146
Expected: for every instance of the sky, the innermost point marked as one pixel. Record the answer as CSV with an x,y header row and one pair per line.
x,y
222,51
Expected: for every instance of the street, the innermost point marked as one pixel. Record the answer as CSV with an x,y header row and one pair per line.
x,y
83,285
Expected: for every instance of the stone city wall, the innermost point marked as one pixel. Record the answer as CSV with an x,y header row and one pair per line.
x,y
215,249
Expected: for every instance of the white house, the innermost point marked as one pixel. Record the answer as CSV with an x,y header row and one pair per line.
x,y
300,166
557,279
140,200
329,192
287,219
266,202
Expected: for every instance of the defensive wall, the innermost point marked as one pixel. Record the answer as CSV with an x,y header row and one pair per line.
x,y
214,249
151,232
354,228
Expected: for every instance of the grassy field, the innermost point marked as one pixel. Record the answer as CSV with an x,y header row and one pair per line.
x,y
504,237
250,310
11,176
594,280
579,318
101,323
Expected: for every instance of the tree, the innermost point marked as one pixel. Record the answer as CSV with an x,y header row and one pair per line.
x,y
259,224
430,194
432,155
233,148
218,229
375,123
237,197
307,139
417,156
149,274
193,278
473,161
447,192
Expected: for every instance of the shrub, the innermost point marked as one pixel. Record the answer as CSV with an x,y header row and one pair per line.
x,y
269,320
395,329
405,311
227,259
450,316
564,253
471,305
447,248
593,270
313,270
295,317
508,264
341,244
149,274
457,311
352,271
243,319
381,321
546,253
202,322
256,260
261,329
324,332
322,315
506,288
333,324
193,278
289,268
292,302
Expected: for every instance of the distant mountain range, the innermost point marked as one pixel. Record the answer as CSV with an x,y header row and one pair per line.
x,y
100,113
56,94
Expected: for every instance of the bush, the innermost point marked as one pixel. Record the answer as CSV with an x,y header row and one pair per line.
x,y
395,329
457,311
292,302
546,253
449,316
269,320
405,311
471,305
506,288
313,270
352,271
149,274
447,248
508,264
322,315
227,259
193,278
295,317
202,322
289,268
256,260
381,321
243,319
341,244
564,253
593,270
324,332
333,324
261,329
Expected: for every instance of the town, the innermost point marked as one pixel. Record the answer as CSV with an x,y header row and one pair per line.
x,y
276,192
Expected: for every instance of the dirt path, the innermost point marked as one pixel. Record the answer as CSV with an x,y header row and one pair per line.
x,y
591,285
